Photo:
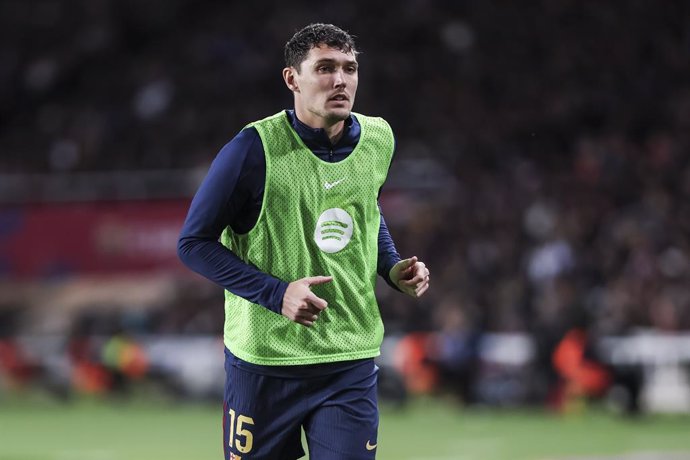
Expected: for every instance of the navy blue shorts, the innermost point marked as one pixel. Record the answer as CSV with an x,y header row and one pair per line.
x,y
264,414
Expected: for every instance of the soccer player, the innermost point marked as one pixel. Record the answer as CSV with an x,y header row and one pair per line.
x,y
293,199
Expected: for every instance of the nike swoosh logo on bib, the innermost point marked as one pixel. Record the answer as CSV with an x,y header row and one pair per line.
x,y
330,185
371,447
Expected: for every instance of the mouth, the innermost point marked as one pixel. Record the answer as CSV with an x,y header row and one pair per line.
x,y
340,97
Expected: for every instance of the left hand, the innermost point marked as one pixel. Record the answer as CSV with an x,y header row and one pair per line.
x,y
411,276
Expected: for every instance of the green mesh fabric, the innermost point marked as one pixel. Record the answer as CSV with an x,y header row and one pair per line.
x,y
317,218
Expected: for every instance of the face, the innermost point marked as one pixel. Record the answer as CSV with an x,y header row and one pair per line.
x,y
324,87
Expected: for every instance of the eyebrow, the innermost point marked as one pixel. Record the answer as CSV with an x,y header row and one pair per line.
x,y
335,61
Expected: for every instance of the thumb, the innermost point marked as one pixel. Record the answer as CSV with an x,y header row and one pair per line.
x,y
311,280
407,263
317,301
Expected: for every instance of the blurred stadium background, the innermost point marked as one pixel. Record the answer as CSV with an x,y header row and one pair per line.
x,y
542,172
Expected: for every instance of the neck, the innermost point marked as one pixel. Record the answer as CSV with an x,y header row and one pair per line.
x,y
334,130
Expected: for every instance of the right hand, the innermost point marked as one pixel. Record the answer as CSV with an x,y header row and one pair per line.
x,y
300,304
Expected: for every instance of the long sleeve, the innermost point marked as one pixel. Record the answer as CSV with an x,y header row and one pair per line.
x,y
225,198
388,255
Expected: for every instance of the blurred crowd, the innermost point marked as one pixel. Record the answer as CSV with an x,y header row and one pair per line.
x,y
564,126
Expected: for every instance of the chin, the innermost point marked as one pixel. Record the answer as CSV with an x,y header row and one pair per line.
x,y
338,114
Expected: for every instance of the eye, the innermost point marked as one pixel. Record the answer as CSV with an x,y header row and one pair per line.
x,y
323,69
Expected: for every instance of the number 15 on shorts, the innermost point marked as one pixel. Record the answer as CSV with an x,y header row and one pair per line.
x,y
240,436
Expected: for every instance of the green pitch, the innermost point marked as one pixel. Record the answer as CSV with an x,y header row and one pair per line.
x,y
427,429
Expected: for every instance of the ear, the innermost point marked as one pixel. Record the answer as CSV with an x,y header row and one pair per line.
x,y
289,74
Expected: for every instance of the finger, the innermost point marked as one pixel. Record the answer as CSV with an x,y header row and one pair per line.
x,y
421,270
420,286
307,316
307,311
423,290
409,263
316,301
313,310
404,266
413,281
312,280
304,322
420,275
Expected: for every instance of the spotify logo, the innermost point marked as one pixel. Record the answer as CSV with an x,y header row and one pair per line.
x,y
333,230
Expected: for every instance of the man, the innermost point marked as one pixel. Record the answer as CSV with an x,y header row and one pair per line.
x,y
293,198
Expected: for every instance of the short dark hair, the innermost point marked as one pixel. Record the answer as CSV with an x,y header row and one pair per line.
x,y
313,35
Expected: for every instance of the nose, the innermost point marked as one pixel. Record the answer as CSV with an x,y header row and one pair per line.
x,y
339,79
